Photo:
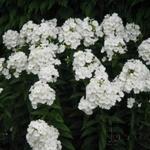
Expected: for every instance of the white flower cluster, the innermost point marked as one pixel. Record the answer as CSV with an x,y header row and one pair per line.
x,y
11,39
130,102
40,92
41,136
144,50
3,70
48,74
43,33
18,62
113,45
116,35
84,64
46,40
112,25
1,90
73,31
41,58
104,94
132,32
134,76
100,92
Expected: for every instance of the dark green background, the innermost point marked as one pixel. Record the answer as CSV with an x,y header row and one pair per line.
x,y
117,129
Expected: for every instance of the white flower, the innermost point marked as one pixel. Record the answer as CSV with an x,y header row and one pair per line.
x,y
100,73
41,136
86,106
42,34
18,62
48,74
40,57
1,90
11,39
112,25
73,31
113,45
29,33
144,50
69,35
41,93
139,105
134,76
84,64
89,30
100,92
6,73
132,32
130,102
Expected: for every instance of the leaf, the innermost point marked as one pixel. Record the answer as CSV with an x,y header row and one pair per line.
x,y
89,132
67,144
89,124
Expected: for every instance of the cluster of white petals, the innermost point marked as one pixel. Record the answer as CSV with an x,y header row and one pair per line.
x,y
36,49
84,64
42,33
100,92
40,57
11,39
130,102
41,136
1,90
113,45
132,32
74,31
112,25
116,35
69,35
144,50
41,93
134,76
17,62
48,74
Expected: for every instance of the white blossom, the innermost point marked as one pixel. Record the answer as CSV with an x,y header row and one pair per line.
x,y
139,105
100,92
113,45
112,25
89,30
144,50
73,31
17,61
48,74
1,90
11,39
41,136
69,35
40,57
86,106
84,64
6,73
41,93
132,32
130,102
134,76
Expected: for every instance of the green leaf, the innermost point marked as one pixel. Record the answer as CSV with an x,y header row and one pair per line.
x,y
67,144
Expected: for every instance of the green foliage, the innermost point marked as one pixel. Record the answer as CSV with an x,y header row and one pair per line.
x,y
118,129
